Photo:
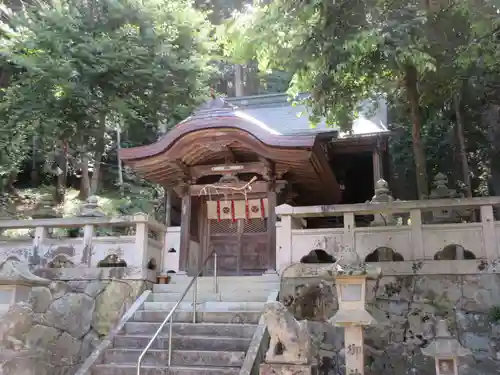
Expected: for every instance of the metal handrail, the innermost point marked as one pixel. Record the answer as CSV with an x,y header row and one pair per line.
x,y
170,315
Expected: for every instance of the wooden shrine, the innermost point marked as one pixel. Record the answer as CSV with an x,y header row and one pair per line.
x,y
230,171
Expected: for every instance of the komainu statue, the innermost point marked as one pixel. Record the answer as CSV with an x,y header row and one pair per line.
x,y
290,341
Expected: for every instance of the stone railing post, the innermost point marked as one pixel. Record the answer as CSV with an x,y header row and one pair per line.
x,y
89,209
141,237
284,247
417,239
349,233
41,233
489,234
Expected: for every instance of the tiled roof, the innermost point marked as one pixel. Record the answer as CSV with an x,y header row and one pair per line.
x,y
278,113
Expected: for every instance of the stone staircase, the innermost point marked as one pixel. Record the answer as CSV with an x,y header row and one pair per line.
x,y
215,345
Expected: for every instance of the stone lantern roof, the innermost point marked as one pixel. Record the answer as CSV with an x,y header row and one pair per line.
x,y
444,345
14,272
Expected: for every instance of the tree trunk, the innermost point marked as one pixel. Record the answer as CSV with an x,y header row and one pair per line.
x,y
461,142
11,180
85,180
62,164
120,166
34,175
491,121
418,150
94,187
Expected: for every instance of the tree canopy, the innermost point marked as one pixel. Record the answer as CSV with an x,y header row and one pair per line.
x,y
83,69
418,54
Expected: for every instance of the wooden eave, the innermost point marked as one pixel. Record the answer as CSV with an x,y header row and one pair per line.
x,y
357,144
208,139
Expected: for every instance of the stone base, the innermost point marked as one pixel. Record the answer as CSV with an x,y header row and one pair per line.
x,y
287,369
22,362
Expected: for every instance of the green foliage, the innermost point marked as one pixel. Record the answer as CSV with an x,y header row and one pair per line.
x,y
343,52
494,314
89,67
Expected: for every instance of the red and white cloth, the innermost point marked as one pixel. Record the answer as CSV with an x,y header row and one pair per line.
x,y
237,209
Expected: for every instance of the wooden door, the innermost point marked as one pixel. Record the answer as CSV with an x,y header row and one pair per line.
x,y
241,246
254,246
224,238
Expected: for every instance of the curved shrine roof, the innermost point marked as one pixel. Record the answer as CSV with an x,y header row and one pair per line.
x,y
205,137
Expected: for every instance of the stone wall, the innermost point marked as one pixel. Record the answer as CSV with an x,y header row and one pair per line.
x,y
406,308
64,321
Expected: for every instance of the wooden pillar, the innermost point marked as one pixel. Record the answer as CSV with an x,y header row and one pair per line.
x,y
271,220
271,230
378,171
185,231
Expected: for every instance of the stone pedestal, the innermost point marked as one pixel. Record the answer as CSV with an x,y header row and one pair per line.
x,y
354,357
351,293
24,362
287,369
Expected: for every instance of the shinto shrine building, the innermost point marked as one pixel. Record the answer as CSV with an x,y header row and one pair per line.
x,y
234,160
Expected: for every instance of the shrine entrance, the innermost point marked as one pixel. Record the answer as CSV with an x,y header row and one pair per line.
x,y
238,232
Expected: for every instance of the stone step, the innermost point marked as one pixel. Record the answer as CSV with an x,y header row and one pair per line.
x,y
183,342
205,306
243,296
249,317
176,279
179,357
113,369
209,287
187,329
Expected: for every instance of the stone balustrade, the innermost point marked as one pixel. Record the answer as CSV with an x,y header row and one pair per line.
x,y
418,238
140,244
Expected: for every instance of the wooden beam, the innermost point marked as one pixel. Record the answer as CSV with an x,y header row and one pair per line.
x,y
237,168
182,167
229,155
257,187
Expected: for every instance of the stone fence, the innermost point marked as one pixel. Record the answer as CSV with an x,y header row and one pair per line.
x,y
136,242
405,308
424,230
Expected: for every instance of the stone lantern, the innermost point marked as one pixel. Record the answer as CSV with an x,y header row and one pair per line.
x,y
16,281
382,196
18,316
350,282
45,208
90,208
441,191
445,349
